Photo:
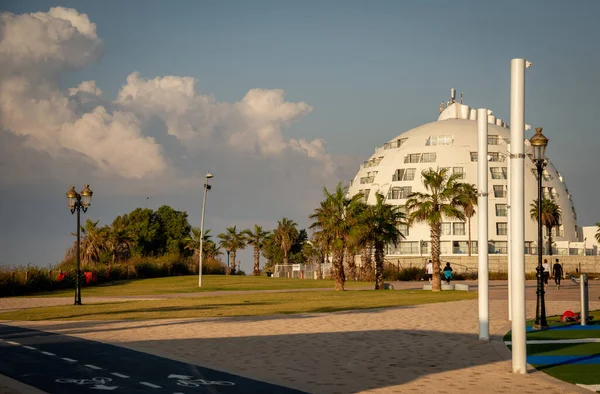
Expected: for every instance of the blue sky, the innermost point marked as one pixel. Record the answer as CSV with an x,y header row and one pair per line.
x,y
369,70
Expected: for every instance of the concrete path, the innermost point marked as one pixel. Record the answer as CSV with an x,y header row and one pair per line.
x,y
429,348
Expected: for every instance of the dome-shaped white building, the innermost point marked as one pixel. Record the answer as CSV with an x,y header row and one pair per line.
x,y
395,171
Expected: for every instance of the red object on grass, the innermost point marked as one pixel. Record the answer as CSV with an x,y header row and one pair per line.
x,y
61,276
90,277
569,317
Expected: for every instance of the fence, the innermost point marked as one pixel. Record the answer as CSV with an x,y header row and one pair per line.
x,y
301,271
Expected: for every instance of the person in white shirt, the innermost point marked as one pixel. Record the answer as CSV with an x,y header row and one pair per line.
x,y
429,270
546,272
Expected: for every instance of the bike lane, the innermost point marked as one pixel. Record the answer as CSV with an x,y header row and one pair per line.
x,y
63,364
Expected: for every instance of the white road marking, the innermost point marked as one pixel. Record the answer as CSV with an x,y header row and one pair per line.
x,y
91,366
48,353
13,343
119,375
69,360
550,341
154,386
591,387
30,347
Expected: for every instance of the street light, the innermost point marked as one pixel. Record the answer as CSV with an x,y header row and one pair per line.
x,y
206,188
78,202
539,143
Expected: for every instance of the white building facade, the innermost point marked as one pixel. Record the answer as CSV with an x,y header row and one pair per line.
x,y
395,171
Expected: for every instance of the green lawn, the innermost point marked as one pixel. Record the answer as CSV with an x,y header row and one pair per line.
x,y
239,305
573,373
189,284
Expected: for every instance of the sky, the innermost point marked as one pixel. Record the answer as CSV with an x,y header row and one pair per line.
x,y
277,99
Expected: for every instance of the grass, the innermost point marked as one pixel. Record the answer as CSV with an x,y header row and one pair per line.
x,y
189,284
572,373
238,305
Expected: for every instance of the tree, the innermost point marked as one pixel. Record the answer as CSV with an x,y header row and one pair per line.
x,y
443,199
598,232
286,234
95,241
120,242
232,241
173,229
551,217
469,200
256,238
143,227
333,220
192,241
380,223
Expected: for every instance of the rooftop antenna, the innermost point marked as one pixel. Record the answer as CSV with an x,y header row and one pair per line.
x,y
452,95
461,98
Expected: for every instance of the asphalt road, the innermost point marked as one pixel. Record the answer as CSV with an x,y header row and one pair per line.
x,y
63,364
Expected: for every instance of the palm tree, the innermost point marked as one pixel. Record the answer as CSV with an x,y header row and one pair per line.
x,y
232,241
598,232
256,238
469,192
551,217
95,241
443,199
333,221
286,234
381,222
193,242
120,242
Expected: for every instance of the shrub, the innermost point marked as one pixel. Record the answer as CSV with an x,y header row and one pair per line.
x,y
411,273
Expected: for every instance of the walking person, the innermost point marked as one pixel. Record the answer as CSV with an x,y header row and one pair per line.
x,y
557,271
546,272
429,270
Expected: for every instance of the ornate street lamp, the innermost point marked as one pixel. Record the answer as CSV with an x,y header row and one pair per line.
x,y
78,202
539,143
206,188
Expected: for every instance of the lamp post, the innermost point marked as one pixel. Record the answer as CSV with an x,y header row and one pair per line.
x,y
539,143
206,188
78,202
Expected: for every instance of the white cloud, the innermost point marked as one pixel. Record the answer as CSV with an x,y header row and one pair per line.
x,y
34,49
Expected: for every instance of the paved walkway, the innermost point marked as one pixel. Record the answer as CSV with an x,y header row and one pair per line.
x,y
431,348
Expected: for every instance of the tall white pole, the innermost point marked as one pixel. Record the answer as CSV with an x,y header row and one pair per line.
x,y
202,234
482,225
517,214
509,264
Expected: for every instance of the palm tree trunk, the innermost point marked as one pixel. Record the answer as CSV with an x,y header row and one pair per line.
x,y
549,240
338,269
232,262
256,271
366,271
436,284
351,264
286,259
469,245
379,246
320,266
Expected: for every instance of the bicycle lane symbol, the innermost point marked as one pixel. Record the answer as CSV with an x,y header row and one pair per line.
x,y
187,381
98,383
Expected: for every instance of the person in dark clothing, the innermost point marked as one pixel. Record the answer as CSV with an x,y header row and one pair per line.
x,y
557,271
447,273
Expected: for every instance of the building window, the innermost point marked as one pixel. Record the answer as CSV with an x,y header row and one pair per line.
x,y
409,247
494,140
404,174
501,228
412,158
547,177
428,158
501,210
403,228
365,193
473,156
459,170
446,247
553,193
397,193
496,157
498,172
439,140
500,191
459,228
400,142
498,247
446,228
460,247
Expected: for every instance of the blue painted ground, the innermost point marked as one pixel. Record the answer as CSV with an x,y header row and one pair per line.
x,y
563,360
569,327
